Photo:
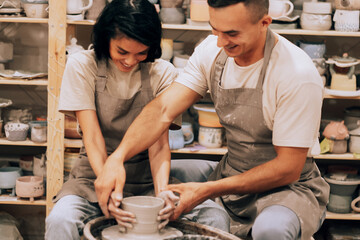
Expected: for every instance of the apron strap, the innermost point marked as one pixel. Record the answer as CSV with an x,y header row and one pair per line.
x,y
269,45
101,77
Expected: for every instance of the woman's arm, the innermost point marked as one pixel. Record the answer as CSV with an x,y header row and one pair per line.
x,y
93,139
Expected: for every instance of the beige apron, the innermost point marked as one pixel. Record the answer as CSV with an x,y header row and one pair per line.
x,y
115,116
250,144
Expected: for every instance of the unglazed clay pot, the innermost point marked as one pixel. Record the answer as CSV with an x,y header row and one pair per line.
x,y
30,187
146,210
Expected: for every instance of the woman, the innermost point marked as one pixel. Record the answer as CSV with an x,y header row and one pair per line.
x,y
106,88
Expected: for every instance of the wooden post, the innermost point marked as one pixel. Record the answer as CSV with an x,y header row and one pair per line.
x,y
56,62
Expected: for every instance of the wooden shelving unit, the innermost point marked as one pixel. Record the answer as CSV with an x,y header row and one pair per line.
x,y
7,199
342,216
27,142
23,20
35,82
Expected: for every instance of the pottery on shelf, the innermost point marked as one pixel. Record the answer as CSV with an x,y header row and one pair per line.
x,y
30,187
342,187
207,115
8,176
16,131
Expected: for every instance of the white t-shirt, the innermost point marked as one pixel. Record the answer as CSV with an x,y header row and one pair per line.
x,y
293,89
78,84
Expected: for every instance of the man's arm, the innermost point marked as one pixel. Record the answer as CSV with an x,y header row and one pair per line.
x,y
152,122
280,171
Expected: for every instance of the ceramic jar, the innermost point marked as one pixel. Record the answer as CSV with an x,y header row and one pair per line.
x,y
38,131
210,137
316,16
346,20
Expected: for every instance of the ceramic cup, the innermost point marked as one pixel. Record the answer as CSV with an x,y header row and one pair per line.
x,y
77,6
346,20
146,210
177,139
210,137
280,8
354,204
188,132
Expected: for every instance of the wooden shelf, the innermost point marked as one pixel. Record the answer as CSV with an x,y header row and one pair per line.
x,y
197,149
336,97
342,216
27,142
23,20
73,143
206,27
345,156
6,199
82,22
37,82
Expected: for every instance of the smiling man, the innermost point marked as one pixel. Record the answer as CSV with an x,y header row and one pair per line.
x,y
268,95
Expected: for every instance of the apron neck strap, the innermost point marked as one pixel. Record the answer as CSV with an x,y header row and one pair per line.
x,y
269,45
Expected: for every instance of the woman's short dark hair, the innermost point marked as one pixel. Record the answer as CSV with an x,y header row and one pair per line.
x,y
258,8
137,19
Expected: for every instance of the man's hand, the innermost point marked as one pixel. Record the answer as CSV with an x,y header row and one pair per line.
x,y
170,200
123,218
111,180
190,197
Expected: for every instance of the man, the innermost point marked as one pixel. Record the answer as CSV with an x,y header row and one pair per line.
x,y
268,96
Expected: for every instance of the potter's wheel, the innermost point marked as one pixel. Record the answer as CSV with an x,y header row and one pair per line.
x,y
114,233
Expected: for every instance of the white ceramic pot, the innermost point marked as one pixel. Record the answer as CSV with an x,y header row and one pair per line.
x,y
346,20
30,187
318,22
8,176
210,137
172,15
316,7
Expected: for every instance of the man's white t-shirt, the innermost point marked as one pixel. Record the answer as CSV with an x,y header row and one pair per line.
x,y
292,89
78,84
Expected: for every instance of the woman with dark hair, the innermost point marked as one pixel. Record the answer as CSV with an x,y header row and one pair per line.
x,y
106,88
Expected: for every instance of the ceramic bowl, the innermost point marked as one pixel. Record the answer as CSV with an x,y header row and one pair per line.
x,y
8,176
146,210
16,131
30,187
207,115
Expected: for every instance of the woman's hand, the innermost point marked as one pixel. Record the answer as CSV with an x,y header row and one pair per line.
x,y
123,218
111,180
170,202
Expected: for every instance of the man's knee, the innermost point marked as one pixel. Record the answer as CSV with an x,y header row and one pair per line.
x,y
276,222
